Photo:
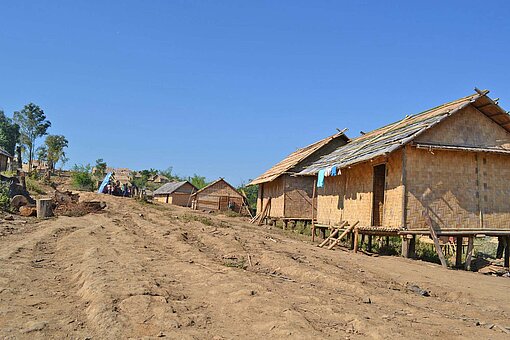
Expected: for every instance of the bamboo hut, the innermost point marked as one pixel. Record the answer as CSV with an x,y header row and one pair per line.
x,y
283,195
219,196
176,193
443,172
5,159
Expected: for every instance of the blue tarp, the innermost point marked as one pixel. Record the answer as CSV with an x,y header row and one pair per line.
x,y
105,182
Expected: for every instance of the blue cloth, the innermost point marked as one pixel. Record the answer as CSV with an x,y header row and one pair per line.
x,y
320,179
105,182
333,171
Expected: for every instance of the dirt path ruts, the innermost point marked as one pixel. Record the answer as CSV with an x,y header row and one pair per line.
x,y
172,272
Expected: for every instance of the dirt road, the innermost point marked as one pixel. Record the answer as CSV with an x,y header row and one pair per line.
x,y
141,270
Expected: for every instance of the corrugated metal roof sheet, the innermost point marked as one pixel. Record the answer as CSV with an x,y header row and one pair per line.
x,y
393,136
169,188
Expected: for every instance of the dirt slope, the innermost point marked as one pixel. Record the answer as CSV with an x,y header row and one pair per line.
x,y
176,274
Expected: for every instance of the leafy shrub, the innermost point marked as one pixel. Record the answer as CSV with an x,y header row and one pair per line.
x,y
81,177
33,186
5,201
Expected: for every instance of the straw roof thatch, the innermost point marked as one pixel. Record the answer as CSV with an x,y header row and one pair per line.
x,y
295,158
214,183
389,138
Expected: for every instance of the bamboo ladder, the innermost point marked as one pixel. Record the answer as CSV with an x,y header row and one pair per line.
x,y
333,242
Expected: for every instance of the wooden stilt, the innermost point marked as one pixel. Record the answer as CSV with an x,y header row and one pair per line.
x,y
285,222
507,252
405,247
356,235
412,247
387,241
458,254
469,253
352,240
369,244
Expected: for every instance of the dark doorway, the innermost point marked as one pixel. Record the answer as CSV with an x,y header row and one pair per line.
x,y
378,194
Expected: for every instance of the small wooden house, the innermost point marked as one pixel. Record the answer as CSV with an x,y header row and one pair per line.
x,y
445,171
177,193
5,159
219,195
287,196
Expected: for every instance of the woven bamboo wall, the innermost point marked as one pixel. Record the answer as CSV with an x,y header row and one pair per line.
x,y
349,196
330,200
273,190
468,127
393,194
180,198
494,182
298,196
209,198
446,182
160,198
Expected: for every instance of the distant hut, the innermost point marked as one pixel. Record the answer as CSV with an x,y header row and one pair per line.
x,y
443,172
5,159
287,196
158,179
220,195
176,193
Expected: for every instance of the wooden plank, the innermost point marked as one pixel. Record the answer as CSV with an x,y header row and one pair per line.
x,y
439,251
469,253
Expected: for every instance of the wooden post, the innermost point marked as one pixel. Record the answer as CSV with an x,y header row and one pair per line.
x,y
469,253
369,245
458,253
352,240
356,236
405,247
44,207
412,247
507,252
313,205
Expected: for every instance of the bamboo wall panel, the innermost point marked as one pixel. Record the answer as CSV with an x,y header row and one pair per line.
x,y
298,196
358,194
393,195
446,183
330,200
274,190
182,199
468,127
495,191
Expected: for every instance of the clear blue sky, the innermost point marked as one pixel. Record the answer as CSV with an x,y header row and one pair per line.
x,y
228,88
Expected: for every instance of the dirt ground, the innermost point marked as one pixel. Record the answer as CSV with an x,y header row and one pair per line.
x,y
139,270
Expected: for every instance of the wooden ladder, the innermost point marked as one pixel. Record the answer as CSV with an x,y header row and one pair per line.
x,y
332,241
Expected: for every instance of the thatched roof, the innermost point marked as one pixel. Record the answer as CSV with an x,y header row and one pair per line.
x,y
171,187
391,137
5,153
298,156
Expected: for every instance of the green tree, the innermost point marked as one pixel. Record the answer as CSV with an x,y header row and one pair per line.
x,y
55,146
251,192
198,181
168,173
9,134
33,124
100,168
81,177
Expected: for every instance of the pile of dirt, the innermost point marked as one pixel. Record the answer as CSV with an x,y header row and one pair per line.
x,y
78,209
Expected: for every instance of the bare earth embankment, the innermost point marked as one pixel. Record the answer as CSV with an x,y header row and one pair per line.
x,y
166,273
